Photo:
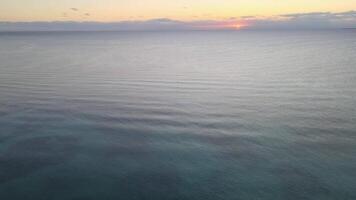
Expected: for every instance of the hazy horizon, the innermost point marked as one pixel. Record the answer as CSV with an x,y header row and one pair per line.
x,y
295,21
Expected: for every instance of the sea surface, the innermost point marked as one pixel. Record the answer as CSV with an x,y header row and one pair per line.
x,y
221,115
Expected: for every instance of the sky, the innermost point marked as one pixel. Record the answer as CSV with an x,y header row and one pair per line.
x,y
174,14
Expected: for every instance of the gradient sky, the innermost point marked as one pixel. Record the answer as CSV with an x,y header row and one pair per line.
x,y
116,10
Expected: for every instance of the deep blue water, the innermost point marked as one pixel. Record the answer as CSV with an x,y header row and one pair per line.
x,y
265,115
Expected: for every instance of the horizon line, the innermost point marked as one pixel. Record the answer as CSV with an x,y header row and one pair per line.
x,y
312,20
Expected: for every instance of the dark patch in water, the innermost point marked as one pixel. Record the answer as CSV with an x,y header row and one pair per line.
x,y
135,184
162,184
124,143
31,155
127,150
241,148
300,184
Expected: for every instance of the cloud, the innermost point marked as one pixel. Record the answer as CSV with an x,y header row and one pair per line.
x,y
74,9
324,15
248,17
315,20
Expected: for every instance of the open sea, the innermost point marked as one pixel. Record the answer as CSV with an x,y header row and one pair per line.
x,y
220,115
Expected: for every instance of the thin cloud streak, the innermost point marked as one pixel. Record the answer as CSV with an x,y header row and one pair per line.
x,y
150,25
315,20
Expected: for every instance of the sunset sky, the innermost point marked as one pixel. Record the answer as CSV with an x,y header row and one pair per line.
x,y
224,13
116,10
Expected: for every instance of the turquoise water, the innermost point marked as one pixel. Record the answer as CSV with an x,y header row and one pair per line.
x,y
178,115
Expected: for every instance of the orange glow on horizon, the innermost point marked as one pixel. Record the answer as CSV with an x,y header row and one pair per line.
x,y
233,25
239,25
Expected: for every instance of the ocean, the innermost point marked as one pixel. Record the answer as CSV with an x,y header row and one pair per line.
x,y
203,115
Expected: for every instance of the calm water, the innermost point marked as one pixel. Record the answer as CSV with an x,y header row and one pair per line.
x,y
178,115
